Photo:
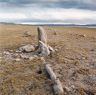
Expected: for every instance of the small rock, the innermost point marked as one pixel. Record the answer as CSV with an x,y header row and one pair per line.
x,y
35,56
31,58
27,48
27,34
56,49
51,49
6,53
10,50
67,89
18,51
82,35
83,58
24,56
15,55
42,59
17,59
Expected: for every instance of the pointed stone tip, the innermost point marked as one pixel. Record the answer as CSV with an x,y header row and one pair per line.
x,y
40,28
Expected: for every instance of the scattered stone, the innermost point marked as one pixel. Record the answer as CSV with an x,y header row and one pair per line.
x,y
24,56
56,50
35,56
27,34
67,89
17,59
10,50
15,55
82,35
51,49
31,58
6,53
18,51
27,48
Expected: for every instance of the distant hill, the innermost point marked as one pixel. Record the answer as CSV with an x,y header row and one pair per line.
x,y
71,25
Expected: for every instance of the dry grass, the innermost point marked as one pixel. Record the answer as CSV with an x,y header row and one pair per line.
x,y
74,62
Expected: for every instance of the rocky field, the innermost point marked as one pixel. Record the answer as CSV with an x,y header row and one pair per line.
x,y
74,60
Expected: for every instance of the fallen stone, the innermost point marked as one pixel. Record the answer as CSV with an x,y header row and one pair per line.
x,y
58,90
27,48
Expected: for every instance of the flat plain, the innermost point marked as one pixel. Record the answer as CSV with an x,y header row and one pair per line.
x,y
74,61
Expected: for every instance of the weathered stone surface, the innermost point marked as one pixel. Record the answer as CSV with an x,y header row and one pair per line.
x,y
44,51
51,49
24,56
58,90
6,53
31,58
17,59
27,48
42,35
57,86
50,72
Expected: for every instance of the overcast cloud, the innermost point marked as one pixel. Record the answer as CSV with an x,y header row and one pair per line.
x,y
48,11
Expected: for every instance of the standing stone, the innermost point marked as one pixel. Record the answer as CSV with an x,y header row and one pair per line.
x,y
42,35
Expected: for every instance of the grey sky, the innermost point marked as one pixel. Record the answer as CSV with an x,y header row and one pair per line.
x,y
48,11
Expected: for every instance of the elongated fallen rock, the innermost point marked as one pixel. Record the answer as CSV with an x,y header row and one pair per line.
x,y
57,86
42,36
50,72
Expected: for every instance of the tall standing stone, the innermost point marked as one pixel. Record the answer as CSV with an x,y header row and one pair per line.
x,y
42,36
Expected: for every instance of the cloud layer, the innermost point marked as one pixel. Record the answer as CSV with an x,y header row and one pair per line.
x,y
82,4
48,11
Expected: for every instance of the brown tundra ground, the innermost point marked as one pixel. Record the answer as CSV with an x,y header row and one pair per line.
x,y
74,61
